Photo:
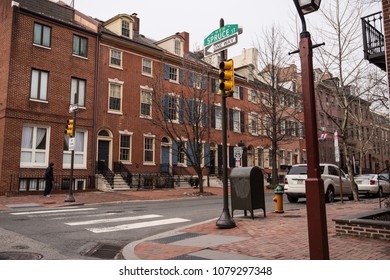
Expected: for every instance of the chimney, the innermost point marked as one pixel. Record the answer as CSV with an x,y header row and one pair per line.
x,y
136,23
186,37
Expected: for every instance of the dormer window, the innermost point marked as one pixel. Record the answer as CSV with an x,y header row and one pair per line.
x,y
125,28
177,47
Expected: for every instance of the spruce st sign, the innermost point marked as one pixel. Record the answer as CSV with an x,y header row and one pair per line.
x,y
221,39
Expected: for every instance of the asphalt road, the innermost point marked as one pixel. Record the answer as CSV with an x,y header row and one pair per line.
x,y
100,231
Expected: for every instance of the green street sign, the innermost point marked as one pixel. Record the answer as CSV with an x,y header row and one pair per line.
x,y
220,34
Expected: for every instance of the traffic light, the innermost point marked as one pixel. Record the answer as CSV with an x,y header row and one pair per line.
x,y
226,77
69,127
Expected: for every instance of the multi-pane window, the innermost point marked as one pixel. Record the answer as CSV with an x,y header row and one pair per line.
x,y
181,154
80,46
115,58
147,67
125,28
172,107
77,95
177,47
42,35
253,96
39,84
34,147
173,74
149,150
146,103
253,123
80,150
236,121
236,93
218,117
115,97
124,149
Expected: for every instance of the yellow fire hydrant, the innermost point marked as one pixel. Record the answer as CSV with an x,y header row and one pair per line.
x,y
278,199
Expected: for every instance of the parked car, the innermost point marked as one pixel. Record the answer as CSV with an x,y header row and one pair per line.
x,y
294,182
373,184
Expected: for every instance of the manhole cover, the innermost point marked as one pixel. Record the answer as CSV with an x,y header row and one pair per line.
x,y
20,256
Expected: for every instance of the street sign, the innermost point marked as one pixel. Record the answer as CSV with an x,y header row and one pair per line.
x,y
72,143
221,45
73,107
237,152
220,34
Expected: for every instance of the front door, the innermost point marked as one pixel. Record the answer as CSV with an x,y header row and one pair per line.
x,y
164,159
103,154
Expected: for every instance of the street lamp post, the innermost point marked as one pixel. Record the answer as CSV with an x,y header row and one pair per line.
x,y
315,197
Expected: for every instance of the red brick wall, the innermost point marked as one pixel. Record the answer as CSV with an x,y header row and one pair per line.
x,y
62,66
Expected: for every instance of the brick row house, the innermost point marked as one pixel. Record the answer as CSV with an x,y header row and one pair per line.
x,y
140,102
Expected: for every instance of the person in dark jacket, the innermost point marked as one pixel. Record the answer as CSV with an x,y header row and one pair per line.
x,y
49,178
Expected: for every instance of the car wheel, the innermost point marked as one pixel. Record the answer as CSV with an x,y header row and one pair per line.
x,y
292,199
380,192
329,196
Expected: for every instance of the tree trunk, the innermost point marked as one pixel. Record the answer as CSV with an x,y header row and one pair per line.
x,y
350,173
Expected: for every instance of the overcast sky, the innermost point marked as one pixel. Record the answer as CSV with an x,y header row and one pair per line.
x,y
162,18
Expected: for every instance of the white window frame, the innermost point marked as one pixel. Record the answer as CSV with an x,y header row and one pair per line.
x,y
78,86
289,157
174,74
178,47
116,58
253,96
130,135
173,108
125,28
181,153
111,85
39,85
29,146
218,117
253,123
236,120
80,151
236,93
147,67
149,147
146,98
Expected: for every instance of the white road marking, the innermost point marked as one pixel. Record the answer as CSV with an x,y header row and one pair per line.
x,y
138,225
53,211
91,222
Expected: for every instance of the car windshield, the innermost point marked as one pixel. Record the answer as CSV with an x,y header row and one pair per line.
x,y
301,170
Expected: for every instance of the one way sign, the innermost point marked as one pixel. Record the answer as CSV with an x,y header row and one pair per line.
x,y
221,45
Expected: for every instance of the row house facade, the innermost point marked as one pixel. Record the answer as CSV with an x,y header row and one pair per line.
x,y
129,91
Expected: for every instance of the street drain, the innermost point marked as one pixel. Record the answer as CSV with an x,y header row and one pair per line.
x,y
104,251
20,256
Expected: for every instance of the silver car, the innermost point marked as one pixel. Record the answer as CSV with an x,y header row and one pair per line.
x,y
373,184
294,182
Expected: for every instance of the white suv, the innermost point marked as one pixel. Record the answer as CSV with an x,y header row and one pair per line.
x,y
294,182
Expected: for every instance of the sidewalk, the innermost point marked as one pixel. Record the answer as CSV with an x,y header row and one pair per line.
x,y
276,237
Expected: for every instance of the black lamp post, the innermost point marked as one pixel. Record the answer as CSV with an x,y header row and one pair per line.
x,y
315,197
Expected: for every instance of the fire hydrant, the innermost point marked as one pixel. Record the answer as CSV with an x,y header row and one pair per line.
x,y
278,199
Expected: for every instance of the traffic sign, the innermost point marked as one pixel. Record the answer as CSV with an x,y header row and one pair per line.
x,y
220,34
221,45
72,143
237,151
73,107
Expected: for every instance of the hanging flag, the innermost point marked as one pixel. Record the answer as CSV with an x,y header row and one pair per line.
x,y
323,136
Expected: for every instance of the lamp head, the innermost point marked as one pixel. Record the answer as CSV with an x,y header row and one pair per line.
x,y
309,6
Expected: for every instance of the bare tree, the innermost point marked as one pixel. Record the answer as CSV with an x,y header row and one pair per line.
x,y
279,103
181,110
352,84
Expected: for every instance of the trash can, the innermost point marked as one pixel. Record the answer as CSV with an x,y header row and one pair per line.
x,y
247,189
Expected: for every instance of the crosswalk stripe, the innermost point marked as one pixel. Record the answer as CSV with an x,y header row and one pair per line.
x,y
91,222
53,211
138,225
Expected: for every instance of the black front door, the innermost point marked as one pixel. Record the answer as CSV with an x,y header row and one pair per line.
x,y
103,154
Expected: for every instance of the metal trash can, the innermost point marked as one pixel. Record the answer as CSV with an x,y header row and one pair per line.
x,y
247,189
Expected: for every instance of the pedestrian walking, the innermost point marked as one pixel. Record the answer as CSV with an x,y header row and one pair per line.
x,y
49,178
